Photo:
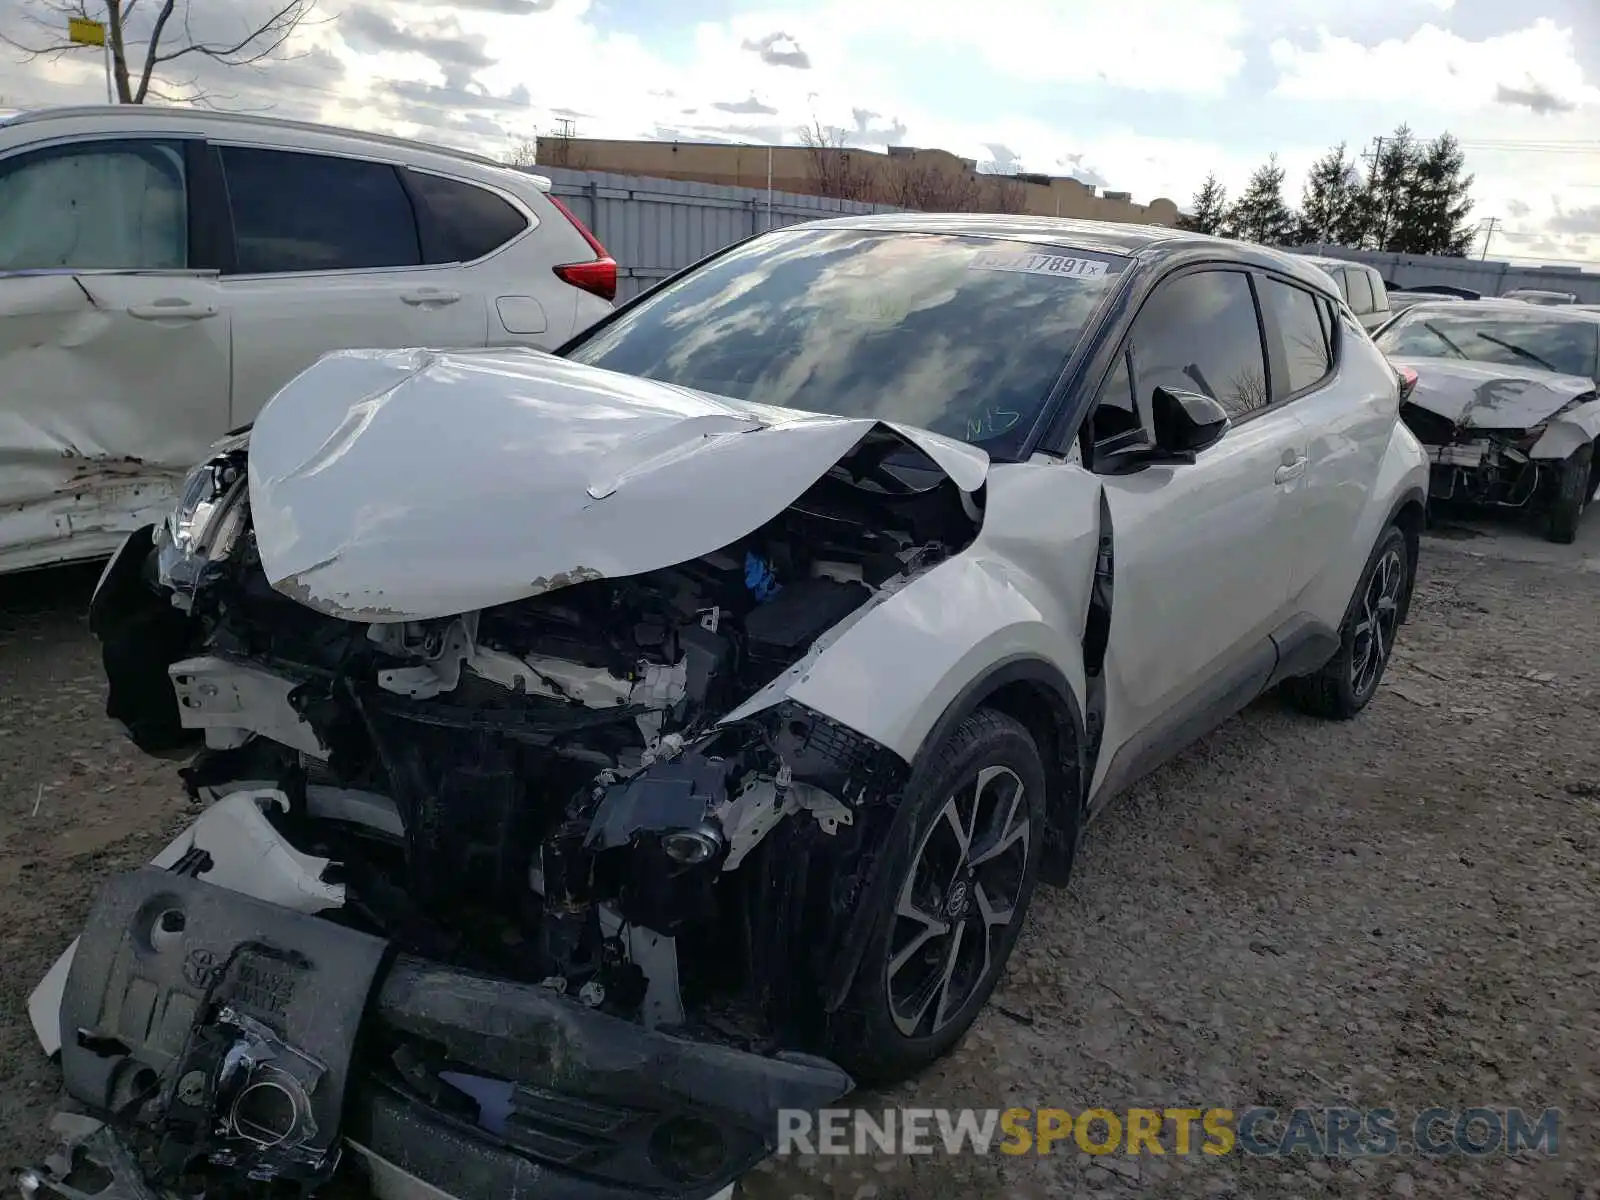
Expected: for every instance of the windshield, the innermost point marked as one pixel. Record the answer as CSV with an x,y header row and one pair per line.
x,y
961,335
1515,339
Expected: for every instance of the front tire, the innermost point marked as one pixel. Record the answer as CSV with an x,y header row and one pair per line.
x,y
1348,682
961,862
1573,486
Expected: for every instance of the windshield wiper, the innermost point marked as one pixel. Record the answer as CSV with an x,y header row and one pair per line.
x,y
1522,352
1434,329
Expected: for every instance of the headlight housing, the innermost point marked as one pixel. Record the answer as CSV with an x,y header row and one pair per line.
x,y
207,521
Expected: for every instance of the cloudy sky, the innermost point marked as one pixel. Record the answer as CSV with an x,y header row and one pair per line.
x,y
1141,95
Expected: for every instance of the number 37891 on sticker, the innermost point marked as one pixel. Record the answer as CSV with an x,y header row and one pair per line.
x,y
1039,264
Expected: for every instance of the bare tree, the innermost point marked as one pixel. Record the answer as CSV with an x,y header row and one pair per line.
x,y
170,39
1006,194
830,169
524,152
928,187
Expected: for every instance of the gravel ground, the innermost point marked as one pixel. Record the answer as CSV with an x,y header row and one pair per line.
x,y
1402,911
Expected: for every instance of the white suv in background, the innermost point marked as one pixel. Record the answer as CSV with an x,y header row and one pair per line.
x,y
163,271
1361,287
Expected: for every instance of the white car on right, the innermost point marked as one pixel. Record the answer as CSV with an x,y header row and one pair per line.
x,y
1502,395
1540,296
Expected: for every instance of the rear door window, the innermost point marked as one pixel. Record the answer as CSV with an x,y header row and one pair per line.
x,y
461,222
1200,333
316,212
1295,323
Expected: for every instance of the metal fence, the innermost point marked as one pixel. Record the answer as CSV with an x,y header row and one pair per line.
x,y
1491,278
654,227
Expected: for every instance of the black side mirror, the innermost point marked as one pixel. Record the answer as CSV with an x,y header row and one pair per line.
x,y
1186,423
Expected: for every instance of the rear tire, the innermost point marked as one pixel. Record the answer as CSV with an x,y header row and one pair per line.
x,y
1573,486
1349,680
961,862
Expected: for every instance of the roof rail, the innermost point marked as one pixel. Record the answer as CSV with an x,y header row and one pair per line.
x,y
38,115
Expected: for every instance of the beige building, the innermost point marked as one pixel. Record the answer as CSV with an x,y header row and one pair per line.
x,y
905,177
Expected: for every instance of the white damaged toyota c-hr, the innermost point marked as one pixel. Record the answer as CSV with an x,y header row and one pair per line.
x,y
632,741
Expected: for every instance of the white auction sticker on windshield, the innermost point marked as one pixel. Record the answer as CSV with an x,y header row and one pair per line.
x,y
1063,265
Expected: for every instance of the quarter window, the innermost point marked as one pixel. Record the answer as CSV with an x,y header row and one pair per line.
x,y
1200,333
1359,289
110,205
461,222
317,212
1298,325
1116,416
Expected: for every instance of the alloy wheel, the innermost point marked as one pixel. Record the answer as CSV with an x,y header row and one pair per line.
x,y
1376,622
957,902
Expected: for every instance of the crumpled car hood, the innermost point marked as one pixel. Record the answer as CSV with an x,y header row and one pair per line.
x,y
1491,395
412,484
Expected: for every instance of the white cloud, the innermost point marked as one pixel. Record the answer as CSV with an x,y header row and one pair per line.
x,y
554,59
1144,45
1436,68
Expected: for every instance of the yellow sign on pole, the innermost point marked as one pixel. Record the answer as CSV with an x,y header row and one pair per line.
x,y
85,32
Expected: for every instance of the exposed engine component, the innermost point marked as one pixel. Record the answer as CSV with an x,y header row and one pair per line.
x,y
219,1029
542,789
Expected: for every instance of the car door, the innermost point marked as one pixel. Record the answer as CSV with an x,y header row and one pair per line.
x,y
1344,395
327,255
114,342
1203,551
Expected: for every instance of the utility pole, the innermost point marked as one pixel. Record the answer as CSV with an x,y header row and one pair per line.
x,y
1488,232
1380,233
1372,156
564,128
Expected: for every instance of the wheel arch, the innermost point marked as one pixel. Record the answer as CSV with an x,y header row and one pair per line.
x,y
1035,693
1409,515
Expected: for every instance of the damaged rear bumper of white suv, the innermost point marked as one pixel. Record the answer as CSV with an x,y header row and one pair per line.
x,y
533,864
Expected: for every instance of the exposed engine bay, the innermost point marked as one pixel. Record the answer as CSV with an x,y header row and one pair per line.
x,y
548,790
521,868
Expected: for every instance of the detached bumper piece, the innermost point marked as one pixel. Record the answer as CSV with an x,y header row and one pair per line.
x,y
498,1089
225,1041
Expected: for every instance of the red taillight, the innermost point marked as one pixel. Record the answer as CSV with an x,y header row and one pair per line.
x,y
598,277
1408,382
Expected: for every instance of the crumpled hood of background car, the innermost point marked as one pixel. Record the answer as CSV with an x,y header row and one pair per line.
x,y
412,484
1491,395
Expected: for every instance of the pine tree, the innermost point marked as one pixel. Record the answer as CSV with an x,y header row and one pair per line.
x,y
1330,204
1433,216
1389,182
1260,215
1210,206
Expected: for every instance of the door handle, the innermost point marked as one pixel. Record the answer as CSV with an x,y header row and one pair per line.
x,y
171,308
1291,470
423,297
